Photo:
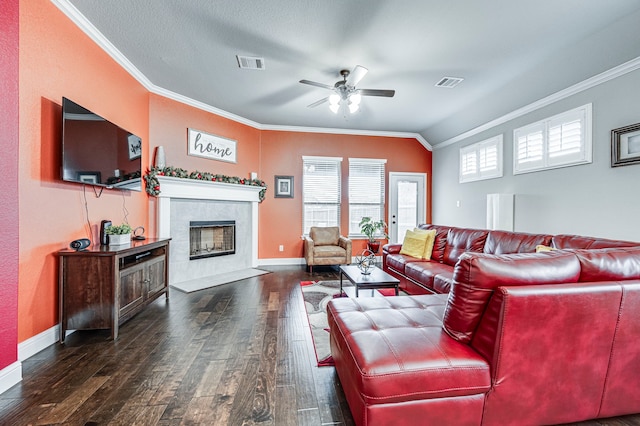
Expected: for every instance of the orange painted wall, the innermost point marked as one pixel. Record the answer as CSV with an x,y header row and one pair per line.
x,y
280,220
57,59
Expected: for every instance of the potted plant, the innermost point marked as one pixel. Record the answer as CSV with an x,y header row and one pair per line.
x,y
372,228
119,234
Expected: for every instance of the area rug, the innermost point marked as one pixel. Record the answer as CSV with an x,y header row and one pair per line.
x,y
316,296
214,280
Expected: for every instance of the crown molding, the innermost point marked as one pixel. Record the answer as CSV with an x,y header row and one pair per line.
x,y
88,28
596,80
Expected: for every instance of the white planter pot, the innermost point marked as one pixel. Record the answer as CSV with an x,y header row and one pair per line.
x,y
117,240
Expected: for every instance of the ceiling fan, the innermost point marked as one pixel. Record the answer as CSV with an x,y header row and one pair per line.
x,y
345,91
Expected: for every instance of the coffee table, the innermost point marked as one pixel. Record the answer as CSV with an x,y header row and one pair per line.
x,y
376,279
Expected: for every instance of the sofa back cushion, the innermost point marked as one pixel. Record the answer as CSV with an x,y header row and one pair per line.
x,y
578,242
504,242
439,242
461,240
476,275
611,264
325,236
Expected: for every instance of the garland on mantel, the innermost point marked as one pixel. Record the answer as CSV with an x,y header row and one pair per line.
x,y
153,185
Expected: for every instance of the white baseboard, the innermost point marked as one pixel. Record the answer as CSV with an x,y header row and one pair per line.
x,y
282,261
41,341
10,376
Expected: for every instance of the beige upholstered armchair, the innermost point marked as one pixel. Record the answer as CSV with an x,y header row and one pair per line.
x,y
325,246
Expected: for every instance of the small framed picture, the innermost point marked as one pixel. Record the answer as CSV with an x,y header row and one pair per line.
x,y
135,147
284,187
625,145
89,177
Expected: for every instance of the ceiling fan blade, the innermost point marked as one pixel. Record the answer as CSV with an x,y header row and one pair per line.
x,y
316,103
315,83
356,75
377,92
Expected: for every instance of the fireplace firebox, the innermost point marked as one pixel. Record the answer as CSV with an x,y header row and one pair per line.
x,y
211,238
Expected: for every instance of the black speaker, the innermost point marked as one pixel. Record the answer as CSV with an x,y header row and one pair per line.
x,y
104,238
80,244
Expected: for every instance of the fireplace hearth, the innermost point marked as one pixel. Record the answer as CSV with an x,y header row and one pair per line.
x,y
211,238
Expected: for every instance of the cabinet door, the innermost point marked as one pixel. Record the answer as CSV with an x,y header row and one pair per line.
x,y
132,286
156,273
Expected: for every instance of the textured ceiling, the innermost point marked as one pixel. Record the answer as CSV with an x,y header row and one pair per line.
x,y
510,53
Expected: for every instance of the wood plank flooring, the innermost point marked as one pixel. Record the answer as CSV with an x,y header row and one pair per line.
x,y
237,354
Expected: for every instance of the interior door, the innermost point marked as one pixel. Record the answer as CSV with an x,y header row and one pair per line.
x,y
407,203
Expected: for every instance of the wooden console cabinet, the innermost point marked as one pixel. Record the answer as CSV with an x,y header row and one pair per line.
x,y
103,286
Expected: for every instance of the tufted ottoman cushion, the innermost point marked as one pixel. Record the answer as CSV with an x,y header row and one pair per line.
x,y
393,349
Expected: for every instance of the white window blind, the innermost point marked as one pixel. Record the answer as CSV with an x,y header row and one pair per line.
x,y
482,160
320,192
558,141
366,191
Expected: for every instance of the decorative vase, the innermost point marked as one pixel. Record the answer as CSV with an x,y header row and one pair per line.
x,y
160,160
119,239
373,246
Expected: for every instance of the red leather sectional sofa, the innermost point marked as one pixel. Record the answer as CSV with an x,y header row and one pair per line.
x,y
520,338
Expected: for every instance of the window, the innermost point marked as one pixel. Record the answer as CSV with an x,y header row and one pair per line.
x,y
482,160
559,141
366,191
320,192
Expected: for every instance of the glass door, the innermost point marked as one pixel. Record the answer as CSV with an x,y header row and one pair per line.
x,y
407,203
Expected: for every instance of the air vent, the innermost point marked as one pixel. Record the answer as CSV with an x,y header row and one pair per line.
x,y
250,63
449,82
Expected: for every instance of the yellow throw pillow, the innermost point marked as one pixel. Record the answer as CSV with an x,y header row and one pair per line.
x,y
430,239
413,244
541,248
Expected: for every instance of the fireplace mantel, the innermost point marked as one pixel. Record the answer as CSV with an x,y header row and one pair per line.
x,y
171,187
180,188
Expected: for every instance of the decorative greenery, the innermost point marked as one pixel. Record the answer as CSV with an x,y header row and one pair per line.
x,y
372,228
153,185
118,229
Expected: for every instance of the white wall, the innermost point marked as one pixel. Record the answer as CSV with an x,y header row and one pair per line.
x,y
593,199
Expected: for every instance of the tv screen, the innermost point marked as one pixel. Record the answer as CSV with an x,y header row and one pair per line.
x,y
98,152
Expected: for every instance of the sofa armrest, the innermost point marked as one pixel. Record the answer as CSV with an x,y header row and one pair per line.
x,y
345,243
392,248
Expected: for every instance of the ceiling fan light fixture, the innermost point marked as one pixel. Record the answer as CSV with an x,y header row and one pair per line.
x,y
334,99
334,108
355,98
353,108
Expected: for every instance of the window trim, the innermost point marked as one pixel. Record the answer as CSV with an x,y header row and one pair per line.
x,y
498,172
583,113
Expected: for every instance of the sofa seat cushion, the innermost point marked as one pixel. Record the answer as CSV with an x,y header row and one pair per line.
x,y
443,282
320,252
399,261
477,275
394,350
424,272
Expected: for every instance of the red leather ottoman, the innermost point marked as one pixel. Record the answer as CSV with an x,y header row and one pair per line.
x,y
394,360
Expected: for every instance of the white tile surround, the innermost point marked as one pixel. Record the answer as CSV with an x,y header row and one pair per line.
x,y
183,200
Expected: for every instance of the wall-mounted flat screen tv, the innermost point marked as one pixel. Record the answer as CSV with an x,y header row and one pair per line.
x,y
98,152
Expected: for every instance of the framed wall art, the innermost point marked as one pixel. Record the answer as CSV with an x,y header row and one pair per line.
x,y
625,145
283,187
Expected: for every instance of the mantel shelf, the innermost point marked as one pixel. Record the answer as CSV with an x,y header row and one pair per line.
x,y
171,187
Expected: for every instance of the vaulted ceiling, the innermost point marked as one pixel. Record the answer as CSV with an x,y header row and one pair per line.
x,y
509,52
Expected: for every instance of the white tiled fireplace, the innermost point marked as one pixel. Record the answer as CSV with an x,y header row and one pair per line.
x,y
182,201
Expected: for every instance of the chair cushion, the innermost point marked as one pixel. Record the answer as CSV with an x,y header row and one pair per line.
x,y
328,251
325,236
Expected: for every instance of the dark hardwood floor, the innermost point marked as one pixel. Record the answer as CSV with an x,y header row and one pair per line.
x,y
237,354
